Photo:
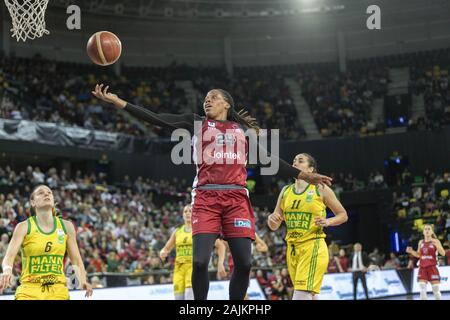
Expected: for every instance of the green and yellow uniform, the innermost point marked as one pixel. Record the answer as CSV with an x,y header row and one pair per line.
x,y
307,252
182,272
43,263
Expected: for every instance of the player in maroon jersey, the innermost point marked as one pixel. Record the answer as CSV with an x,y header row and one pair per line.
x,y
220,200
427,253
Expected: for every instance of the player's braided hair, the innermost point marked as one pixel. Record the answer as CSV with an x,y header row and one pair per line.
x,y
242,117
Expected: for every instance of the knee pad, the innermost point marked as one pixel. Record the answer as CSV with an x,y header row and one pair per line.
x,y
436,292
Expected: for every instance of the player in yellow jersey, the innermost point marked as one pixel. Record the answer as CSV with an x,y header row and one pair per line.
x,y
303,208
43,240
181,240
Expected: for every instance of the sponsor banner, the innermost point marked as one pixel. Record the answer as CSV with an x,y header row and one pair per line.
x,y
444,272
218,290
339,286
51,133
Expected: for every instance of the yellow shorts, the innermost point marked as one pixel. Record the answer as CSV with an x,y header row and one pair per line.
x,y
182,277
35,291
307,263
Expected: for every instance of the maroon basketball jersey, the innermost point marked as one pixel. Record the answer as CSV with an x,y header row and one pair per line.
x,y
220,153
427,254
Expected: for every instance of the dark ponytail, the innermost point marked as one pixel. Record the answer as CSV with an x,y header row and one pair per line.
x,y
242,117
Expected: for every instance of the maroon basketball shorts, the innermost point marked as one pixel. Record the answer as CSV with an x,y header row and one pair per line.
x,y
225,212
430,273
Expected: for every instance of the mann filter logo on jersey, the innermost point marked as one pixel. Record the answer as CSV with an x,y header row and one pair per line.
x,y
184,251
309,196
298,220
242,223
46,264
211,124
60,236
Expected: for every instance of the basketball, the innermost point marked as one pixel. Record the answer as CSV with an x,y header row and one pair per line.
x,y
104,48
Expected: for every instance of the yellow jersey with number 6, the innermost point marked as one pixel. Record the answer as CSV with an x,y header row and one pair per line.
x,y
43,253
299,210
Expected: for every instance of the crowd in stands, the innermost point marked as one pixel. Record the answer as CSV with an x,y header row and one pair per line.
x,y
263,94
341,103
424,202
429,76
42,90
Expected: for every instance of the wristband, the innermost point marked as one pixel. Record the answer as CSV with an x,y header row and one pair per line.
x,y
6,268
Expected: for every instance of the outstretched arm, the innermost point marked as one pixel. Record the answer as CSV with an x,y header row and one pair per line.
x,y
286,170
185,121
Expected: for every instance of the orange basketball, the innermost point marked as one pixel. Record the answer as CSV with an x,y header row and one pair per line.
x,y
104,48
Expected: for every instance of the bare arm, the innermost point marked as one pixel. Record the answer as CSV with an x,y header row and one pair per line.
x,y
276,218
332,202
261,246
221,251
170,244
13,249
411,251
439,247
75,257
338,263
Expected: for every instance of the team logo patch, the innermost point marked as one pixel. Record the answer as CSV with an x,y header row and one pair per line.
x,y
60,236
309,196
211,124
242,223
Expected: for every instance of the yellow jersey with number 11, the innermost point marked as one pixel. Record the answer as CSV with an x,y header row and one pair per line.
x,y
299,210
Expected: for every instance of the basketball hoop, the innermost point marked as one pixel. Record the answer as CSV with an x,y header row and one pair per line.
x,y
28,18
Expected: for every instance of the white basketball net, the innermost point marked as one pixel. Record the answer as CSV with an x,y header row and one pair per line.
x,y
28,18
